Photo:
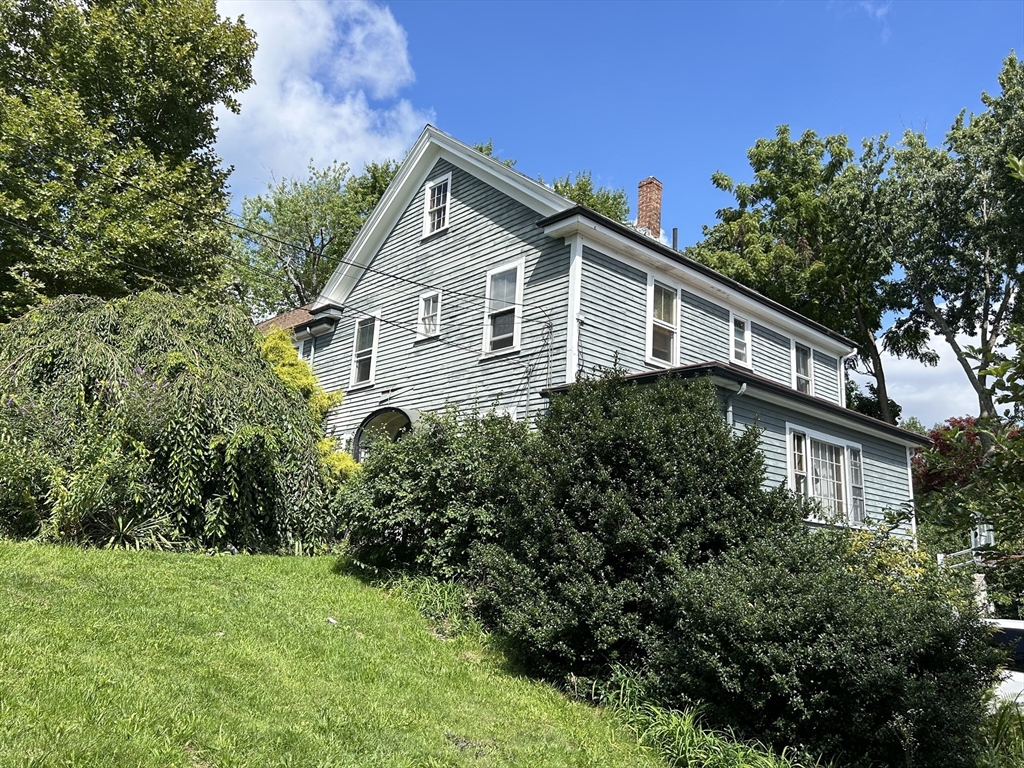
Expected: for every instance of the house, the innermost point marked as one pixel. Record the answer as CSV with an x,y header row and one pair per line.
x,y
472,284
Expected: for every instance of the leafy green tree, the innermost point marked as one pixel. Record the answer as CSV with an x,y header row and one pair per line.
x,y
958,235
810,233
108,176
609,202
293,238
156,420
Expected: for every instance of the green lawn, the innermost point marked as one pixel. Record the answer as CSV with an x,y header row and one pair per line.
x,y
151,659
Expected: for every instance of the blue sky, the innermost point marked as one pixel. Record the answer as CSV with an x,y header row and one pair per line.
x,y
626,90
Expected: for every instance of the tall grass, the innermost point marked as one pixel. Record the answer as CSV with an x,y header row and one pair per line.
x,y
678,737
1003,737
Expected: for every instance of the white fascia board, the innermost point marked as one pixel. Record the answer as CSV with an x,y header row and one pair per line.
x,y
431,145
756,393
695,282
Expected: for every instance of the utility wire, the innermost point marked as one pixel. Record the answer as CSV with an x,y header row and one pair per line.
x,y
255,233
369,313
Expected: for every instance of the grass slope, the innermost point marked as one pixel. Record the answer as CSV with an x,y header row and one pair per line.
x,y
149,659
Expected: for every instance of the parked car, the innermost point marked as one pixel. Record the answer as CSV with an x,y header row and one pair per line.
x,y
1011,632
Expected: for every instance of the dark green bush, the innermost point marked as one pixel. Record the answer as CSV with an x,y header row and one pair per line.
x,y
420,503
153,421
844,644
634,530
629,485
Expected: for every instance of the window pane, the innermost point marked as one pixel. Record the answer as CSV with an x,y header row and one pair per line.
x,y
503,329
437,219
740,350
739,328
664,304
803,385
429,326
364,334
439,194
803,360
661,343
503,289
307,349
363,369
856,475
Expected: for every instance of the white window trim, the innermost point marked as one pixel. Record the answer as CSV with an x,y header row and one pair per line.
x,y
846,445
420,334
749,362
810,364
353,385
520,267
650,321
426,205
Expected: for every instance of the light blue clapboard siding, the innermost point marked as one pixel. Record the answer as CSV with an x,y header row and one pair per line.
x,y
704,330
826,377
486,229
886,480
613,302
772,356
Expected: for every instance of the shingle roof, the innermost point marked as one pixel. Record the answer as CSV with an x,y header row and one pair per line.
x,y
287,320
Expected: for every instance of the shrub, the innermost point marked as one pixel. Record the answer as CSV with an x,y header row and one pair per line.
x,y
420,503
153,421
628,485
815,639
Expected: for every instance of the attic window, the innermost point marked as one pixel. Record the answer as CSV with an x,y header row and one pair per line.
x,y
740,341
435,205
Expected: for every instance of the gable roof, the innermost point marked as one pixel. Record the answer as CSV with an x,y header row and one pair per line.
x,y
431,146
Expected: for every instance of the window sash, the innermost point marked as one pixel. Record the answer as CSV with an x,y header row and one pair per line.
x,y
437,206
362,357
857,505
502,307
740,346
803,369
663,323
430,314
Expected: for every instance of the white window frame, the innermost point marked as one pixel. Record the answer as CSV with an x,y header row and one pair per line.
x,y
421,332
520,266
847,447
810,365
353,384
651,322
733,318
428,189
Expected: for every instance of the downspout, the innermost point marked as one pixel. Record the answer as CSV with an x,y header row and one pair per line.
x,y
728,403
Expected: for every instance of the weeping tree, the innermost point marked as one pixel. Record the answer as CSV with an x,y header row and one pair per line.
x,y
154,421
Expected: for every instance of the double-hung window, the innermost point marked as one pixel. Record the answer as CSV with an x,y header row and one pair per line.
x,y
429,322
364,350
663,324
828,473
803,371
503,316
436,204
741,341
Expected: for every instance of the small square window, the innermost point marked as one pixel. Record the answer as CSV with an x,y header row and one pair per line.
x,y
436,204
429,323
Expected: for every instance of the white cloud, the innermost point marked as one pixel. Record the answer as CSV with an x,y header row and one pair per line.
x,y
879,13
327,80
931,394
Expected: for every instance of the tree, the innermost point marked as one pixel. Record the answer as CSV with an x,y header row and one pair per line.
x,y
156,420
293,238
108,176
959,232
810,233
609,202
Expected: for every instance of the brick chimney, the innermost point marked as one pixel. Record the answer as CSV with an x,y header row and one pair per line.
x,y
648,207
